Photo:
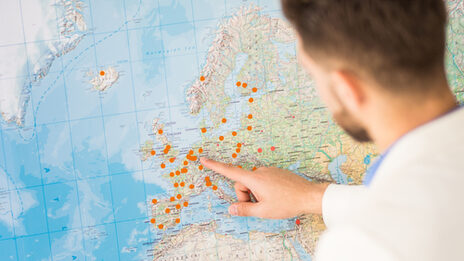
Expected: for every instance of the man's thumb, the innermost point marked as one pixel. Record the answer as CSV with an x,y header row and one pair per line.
x,y
244,209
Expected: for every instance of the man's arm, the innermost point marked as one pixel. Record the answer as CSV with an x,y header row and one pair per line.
x,y
351,242
339,200
282,194
279,193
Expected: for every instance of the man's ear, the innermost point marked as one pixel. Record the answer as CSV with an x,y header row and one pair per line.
x,y
348,89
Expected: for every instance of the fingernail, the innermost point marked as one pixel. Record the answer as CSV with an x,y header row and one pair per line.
x,y
233,210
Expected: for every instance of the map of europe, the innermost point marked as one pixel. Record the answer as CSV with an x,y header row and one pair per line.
x,y
107,106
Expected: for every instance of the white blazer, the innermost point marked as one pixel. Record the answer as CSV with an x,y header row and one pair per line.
x,y
414,207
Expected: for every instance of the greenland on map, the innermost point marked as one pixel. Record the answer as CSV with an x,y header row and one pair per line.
x,y
106,108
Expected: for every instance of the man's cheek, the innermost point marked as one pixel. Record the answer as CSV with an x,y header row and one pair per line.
x,y
322,92
327,98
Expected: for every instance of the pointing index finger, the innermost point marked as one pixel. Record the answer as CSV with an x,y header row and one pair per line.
x,y
231,172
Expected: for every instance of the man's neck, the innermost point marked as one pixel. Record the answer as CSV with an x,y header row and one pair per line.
x,y
401,117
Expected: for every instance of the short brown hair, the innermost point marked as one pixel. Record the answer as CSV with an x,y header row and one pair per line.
x,y
398,43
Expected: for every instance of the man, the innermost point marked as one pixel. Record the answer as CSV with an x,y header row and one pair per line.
x,y
379,67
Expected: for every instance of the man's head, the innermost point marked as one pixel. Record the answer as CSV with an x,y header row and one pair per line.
x,y
361,51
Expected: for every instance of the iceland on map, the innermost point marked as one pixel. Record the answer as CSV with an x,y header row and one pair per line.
x,y
107,106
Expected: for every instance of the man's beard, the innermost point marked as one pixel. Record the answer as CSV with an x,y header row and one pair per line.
x,y
347,122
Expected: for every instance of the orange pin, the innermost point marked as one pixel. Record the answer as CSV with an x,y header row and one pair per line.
x,y
166,149
191,158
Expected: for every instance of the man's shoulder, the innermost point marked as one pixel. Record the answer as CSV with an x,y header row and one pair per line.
x,y
424,172
431,151
415,201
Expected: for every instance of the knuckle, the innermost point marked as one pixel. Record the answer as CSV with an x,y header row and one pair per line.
x,y
241,209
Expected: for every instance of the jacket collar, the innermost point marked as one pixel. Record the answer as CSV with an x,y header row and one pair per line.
x,y
423,141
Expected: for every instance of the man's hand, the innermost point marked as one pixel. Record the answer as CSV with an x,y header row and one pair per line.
x,y
279,193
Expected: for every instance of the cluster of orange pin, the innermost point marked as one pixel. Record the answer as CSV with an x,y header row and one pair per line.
x,y
191,157
244,85
224,120
234,133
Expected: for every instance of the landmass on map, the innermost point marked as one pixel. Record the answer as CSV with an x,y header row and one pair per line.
x,y
104,79
25,65
245,47
260,246
455,48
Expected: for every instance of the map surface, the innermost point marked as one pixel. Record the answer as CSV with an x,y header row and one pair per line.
x,y
107,106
